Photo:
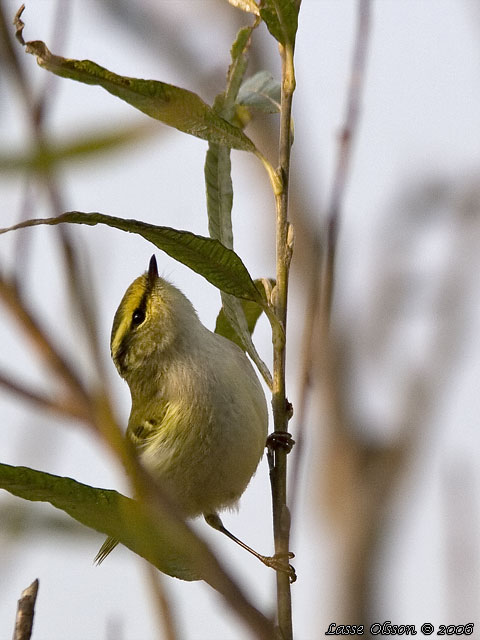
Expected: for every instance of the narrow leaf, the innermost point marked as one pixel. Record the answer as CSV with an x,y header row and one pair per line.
x,y
238,332
217,169
222,267
260,91
219,190
176,107
236,71
236,321
166,545
281,18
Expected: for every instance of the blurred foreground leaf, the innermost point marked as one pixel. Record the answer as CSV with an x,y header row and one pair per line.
x,y
21,522
166,546
175,107
77,148
222,267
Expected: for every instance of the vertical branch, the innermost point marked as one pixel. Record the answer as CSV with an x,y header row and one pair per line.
x,y
355,464
164,609
281,414
347,134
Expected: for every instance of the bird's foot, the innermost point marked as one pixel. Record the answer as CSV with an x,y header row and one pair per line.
x,y
280,439
277,563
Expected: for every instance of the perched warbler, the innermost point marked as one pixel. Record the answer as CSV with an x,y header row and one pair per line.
x,y
199,416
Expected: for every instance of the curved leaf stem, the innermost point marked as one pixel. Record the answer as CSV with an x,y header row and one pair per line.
x,y
274,176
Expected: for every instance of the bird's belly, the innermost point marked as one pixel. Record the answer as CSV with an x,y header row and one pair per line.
x,y
205,470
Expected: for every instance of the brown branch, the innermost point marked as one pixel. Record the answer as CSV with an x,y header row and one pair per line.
x,y
346,139
62,406
26,612
164,609
42,344
80,292
362,475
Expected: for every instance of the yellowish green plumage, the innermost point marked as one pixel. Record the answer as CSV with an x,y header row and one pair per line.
x,y
199,416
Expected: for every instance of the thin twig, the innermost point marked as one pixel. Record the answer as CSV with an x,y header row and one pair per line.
x,y
346,139
63,406
42,344
345,453
363,475
26,612
51,82
164,609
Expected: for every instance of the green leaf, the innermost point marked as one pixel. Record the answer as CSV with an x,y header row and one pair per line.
x,y
252,312
82,145
217,169
281,18
173,106
260,91
238,52
168,545
219,190
236,321
208,257
236,71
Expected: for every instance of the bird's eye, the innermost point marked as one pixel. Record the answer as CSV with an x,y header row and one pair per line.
x,y
138,317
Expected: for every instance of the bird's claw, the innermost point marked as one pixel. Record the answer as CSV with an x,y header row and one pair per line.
x,y
280,439
277,563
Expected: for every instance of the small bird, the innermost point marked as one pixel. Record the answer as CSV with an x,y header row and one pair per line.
x,y
199,416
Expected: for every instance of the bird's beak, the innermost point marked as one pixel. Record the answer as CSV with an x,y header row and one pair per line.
x,y
152,271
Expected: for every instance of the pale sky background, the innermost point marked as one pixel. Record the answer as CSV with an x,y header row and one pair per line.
x,y
420,118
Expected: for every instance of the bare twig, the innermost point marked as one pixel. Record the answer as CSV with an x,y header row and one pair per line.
x,y
349,465
41,343
57,404
315,334
26,612
363,474
346,138
164,609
